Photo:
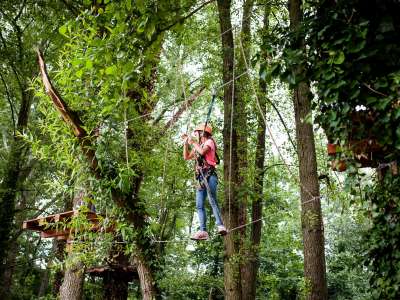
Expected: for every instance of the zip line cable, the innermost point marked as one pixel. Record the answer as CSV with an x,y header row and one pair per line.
x,y
174,105
313,198
218,87
232,81
231,136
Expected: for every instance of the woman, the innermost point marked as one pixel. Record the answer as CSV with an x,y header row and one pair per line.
x,y
206,160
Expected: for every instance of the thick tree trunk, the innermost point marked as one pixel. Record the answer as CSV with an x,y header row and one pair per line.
x,y
230,137
6,285
311,216
251,264
72,286
44,283
244,92
59,252
116,280
147,285
115,287
10,181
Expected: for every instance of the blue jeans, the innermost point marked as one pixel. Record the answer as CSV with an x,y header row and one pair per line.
x,y
201,195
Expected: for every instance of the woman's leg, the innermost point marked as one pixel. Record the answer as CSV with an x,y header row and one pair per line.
x,y
201,212
213,183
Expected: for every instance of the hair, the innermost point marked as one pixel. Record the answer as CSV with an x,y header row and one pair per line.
x,y
201,133
206,134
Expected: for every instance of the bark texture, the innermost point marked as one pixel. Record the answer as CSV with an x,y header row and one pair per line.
x,y
230,137
251,263
72,286
10,181
59,251
311,215
118,275
115,287
147,285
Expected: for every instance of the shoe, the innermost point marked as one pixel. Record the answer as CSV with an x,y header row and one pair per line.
x,y
222,230
200,235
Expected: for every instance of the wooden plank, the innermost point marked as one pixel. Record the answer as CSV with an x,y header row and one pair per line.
x,y
54,233
48,226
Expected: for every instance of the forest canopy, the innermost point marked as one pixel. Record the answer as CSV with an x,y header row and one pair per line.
x,y
199,149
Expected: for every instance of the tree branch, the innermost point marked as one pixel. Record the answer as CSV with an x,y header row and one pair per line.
x,y
15,19
70,117
375,91
183,107
283,123
9,101
185,17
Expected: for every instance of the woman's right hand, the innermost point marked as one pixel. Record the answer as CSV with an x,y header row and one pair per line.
x,y
184,138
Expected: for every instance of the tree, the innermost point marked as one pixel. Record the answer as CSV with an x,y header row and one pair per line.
x,y
312,223
251,258
18,72
137,96
354,61
232,107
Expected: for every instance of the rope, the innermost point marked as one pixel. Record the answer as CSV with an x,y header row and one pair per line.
x,y
126,139
218,87
247,224
210,109
228,232
179,102
313,198
231,138
184,94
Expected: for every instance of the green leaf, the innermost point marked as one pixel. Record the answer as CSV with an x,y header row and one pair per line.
x,y
339,59
111,70
89,64
397,114
142,25
62,30
79,73
129,4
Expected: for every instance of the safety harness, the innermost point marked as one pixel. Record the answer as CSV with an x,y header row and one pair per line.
x,y
203,169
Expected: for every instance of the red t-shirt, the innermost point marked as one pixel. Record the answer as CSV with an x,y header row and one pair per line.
x,y
210,156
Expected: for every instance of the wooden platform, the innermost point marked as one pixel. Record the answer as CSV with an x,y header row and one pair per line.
x,y
367,153
56,225
127,272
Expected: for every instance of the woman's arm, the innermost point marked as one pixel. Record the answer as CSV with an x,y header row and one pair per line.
x,y
201,150
187,154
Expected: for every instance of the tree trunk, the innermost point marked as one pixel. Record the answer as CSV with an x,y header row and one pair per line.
x,y
10,265
116,280
10,181
72,286
243,91
115,287
251,265
311,216
44,283
59,250
146,279
230,137
129,201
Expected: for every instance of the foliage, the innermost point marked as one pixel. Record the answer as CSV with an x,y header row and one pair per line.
x,y
383,237
101,56
345,253
354,59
